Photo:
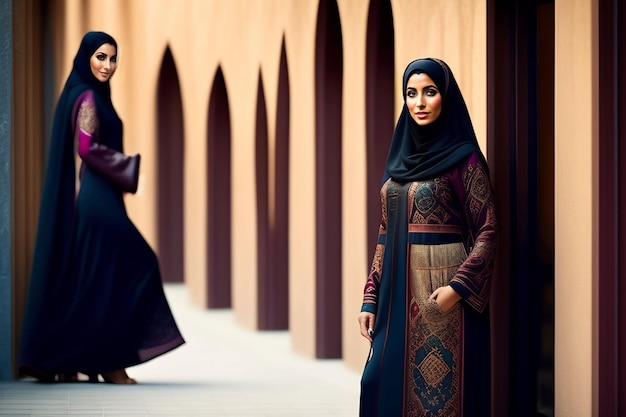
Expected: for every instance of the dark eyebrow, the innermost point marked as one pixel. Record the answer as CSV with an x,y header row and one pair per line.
x,y
425,87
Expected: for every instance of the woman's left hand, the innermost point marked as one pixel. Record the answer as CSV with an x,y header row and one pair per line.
x,y
446,297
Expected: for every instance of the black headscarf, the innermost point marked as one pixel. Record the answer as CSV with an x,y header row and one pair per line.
x,y
81,71
50,276
425,152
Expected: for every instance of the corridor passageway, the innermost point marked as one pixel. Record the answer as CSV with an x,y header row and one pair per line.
x,y
222,370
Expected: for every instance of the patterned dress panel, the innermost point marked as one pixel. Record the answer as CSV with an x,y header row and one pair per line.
x,y
434,368
432,202
434,352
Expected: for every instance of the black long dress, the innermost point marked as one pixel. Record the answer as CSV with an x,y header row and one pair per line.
x,y
96,301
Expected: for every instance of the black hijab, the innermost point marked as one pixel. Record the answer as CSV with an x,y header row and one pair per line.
x,y
425,152
51,277
81,71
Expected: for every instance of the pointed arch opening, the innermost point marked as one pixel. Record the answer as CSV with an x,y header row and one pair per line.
x,y
219,196
328,210
279,232
262,207
272,176
170,177
379,109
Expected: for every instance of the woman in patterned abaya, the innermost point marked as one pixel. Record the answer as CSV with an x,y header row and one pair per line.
x,y
96,303
425,301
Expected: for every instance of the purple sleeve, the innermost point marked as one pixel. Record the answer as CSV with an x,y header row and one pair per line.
x,y
120,169
473,278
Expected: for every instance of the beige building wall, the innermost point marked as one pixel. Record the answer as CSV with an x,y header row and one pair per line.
x,y
574,205
355,252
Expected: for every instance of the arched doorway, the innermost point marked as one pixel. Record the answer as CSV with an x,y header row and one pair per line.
x,y
328,97
170,146
379,108
272,166
218,197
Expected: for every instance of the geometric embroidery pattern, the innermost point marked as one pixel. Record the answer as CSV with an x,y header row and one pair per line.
x,y
433,376
433,369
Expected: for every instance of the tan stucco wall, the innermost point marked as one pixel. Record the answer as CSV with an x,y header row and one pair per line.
x,y
455,31
354,30
574,196
244,37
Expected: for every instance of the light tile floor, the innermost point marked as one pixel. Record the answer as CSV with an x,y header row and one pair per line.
x,y
222,370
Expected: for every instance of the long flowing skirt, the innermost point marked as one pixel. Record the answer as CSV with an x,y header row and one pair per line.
x,y
113,313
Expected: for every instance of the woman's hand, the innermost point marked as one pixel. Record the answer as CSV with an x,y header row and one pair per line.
x,y
446,297
366,321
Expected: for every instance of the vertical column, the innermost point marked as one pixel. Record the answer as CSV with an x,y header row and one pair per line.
x,y
574,200
610,185
6,57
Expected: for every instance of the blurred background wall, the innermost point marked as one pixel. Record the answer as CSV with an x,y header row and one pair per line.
x,y
264,125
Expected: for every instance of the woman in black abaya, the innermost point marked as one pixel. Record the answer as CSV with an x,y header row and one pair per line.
x,y
96,303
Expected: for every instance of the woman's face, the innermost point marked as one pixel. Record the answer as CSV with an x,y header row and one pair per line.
x,y
423,99
103,62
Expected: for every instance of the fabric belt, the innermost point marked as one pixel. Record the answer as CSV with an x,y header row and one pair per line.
x,y
435,228
428,234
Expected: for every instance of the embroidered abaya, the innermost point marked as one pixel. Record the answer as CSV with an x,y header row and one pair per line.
x,y
96,301
438,228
